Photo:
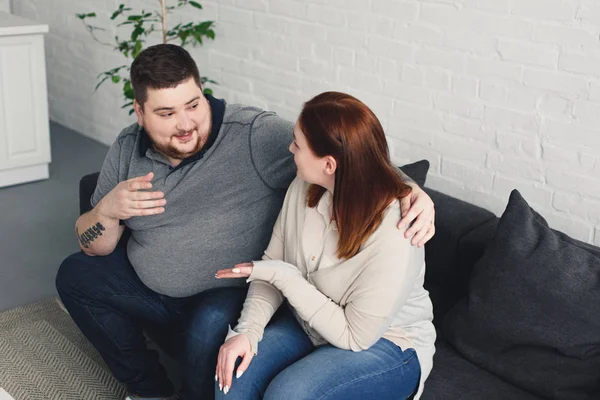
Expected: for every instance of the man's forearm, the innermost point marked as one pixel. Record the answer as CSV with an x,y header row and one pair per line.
x,y
97,234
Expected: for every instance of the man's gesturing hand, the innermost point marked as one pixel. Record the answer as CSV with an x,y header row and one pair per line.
x,y
128,199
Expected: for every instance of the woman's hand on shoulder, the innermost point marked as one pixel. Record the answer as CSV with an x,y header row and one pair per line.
x,y
237,346
417,208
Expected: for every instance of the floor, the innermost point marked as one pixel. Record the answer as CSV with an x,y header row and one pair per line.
x,y
37,220
45,356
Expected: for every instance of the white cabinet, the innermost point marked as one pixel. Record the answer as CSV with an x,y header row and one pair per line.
x,y
24,125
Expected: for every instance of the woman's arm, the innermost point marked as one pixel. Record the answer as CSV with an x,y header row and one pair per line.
x,y
263,299
376,295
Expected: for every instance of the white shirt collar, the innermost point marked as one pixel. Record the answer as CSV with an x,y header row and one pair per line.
x,y
325,208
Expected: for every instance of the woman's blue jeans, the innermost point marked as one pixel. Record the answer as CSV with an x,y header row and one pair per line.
x,y
289,367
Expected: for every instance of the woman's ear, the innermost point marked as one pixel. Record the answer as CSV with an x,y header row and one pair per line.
x,y
330,165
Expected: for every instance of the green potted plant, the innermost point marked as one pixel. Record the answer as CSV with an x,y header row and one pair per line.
x,y
143,24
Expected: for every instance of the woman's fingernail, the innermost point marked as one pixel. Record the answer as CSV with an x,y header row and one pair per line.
x,y
236,270
226,389
220,387
216,378
238,374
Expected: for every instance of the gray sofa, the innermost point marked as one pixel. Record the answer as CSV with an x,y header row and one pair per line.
x,y
462,232
462,370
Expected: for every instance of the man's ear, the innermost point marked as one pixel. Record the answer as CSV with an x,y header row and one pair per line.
x,y
139,112
330,165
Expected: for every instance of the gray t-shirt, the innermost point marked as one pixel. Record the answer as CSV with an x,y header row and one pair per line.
x,y
220,209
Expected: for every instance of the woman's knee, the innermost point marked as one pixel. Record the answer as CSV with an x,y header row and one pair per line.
x,y
289,387
240,390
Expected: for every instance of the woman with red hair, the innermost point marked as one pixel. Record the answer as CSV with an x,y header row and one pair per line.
x,y
357,320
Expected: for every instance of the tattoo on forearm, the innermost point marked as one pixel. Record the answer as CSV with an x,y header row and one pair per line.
x,y
90,234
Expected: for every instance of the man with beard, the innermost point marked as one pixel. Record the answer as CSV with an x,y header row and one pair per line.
x,y
199,183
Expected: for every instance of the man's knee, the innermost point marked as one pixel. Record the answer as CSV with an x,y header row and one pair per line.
x,y
218,308
207,324
71,272
215,313
88,276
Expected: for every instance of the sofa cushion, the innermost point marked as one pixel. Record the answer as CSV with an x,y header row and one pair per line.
x,y
455,378
471,248
417,171
532,315
444,276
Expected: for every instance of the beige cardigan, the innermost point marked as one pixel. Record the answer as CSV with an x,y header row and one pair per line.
x,y
351,305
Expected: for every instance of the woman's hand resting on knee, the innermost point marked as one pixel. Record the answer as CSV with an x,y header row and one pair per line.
x,y
237,346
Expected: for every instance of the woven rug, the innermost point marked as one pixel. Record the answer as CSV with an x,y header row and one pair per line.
x,y
44,356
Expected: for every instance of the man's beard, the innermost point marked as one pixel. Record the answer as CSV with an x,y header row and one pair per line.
x,y
171,151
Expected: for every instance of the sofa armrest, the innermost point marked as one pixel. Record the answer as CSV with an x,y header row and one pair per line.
x,y
87,185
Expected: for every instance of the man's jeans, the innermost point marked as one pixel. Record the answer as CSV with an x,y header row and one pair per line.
x,y
289,367
111,306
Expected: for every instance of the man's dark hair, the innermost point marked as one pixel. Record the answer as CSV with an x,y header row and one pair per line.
x,y
159,67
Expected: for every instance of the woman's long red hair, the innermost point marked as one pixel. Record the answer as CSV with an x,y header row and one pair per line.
x,y
341,126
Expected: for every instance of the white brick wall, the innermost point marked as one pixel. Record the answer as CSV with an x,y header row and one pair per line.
x,y
497,94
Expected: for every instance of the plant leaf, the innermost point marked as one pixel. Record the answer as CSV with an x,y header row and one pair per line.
x,y
137,49
136,33
128,90
206,24
100,83
190,33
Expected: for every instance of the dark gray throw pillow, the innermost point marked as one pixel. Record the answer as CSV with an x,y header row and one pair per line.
x,y
532,315
417,171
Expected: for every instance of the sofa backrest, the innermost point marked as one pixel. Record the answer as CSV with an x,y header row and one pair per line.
x,y
87,185
462,232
